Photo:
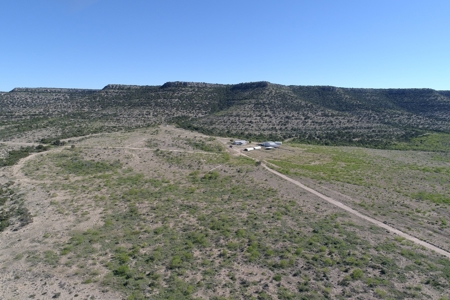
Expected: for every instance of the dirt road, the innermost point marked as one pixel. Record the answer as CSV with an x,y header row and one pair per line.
x,y
358,214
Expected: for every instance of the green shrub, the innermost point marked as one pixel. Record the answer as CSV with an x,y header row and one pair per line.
x,y
357,274
277,277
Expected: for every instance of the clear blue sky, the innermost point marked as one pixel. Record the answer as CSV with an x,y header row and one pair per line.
x,y
91,43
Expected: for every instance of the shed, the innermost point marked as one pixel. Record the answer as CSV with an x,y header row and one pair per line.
x,y
270,144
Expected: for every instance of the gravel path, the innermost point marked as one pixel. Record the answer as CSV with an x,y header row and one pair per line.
x,y
358,214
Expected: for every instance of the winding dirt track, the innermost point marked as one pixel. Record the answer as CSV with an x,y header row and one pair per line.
x,y
16,169
358,214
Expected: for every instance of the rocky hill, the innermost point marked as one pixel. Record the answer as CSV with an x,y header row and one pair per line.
x,y
321,114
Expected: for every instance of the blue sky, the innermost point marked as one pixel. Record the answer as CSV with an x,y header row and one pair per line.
x,y
91,43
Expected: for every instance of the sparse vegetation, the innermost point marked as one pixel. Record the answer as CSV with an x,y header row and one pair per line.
x,y
377,118
13,212
14,156
215,227
139,211
388,185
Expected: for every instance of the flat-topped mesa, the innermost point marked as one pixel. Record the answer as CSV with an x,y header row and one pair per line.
x,y
250,85
52,90
123,87
189,84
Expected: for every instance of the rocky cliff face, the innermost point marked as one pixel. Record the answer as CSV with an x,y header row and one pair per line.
x,y
121,87
172,84
52,90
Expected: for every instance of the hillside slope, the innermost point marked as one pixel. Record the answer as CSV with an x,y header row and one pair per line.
x,y
321,114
